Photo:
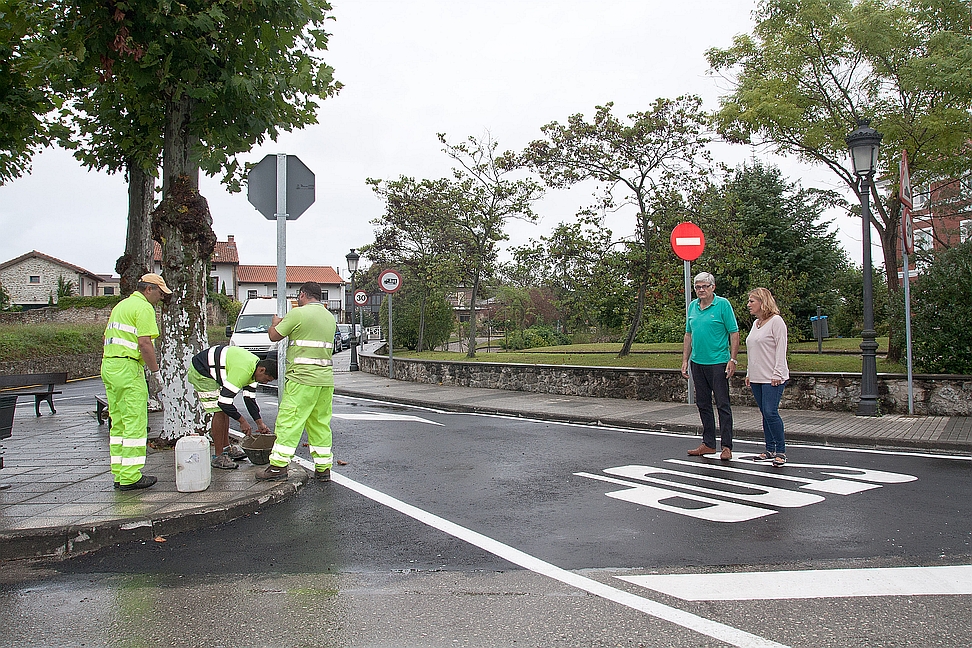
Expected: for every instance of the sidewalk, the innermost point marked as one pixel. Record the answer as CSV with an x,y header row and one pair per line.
x,y
61,502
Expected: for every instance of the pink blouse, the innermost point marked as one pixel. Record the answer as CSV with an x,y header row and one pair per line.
x,y
766,351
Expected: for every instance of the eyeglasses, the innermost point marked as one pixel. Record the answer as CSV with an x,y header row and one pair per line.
x,y
699,287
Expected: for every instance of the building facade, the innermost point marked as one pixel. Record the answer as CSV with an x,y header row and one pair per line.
x,y
32,280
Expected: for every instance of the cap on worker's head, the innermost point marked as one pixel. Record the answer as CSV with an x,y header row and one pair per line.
x,y
157,280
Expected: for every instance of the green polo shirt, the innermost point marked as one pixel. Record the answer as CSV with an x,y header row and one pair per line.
x,y
710,329
311,331
130,319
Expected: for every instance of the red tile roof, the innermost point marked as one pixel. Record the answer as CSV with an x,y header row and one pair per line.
x,y
264,274
225,252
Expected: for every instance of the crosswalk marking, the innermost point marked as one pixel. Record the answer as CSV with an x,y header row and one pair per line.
x,y
811,584
378,416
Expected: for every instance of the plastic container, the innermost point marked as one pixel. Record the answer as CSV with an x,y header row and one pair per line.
x,y
193,470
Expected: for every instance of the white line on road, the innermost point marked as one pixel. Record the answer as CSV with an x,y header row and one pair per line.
x,y
381,416
811,584
713,629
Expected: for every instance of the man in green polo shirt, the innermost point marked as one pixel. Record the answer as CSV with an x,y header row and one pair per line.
x,y
128,350
709,351
309,384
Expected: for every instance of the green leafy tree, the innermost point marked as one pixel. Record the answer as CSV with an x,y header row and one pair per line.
x,y
27,100
942,313
650,154
417,236
436,314
791,250
65,288
812,69
487,195
217,77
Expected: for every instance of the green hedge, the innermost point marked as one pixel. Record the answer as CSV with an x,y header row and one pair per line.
x,y
19,342
99,301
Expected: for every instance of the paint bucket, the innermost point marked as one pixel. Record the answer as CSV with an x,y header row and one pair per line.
x,y
193,469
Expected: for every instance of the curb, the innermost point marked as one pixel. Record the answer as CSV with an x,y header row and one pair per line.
x,y
834,439
63,542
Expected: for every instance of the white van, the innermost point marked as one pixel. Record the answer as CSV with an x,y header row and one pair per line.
x,y
253,323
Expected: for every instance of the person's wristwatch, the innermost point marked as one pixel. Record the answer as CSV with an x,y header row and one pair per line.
x,y
733,361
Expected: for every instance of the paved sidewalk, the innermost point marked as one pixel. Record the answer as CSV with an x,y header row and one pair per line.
x,y
59,498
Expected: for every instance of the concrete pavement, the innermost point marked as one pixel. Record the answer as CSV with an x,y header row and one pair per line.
x,y
61,502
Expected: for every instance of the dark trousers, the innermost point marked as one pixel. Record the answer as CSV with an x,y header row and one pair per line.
x,y
710,380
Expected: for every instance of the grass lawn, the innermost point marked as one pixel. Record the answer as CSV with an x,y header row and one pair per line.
x,y
668,356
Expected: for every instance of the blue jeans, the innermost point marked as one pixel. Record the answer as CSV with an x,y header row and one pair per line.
x,y
768,399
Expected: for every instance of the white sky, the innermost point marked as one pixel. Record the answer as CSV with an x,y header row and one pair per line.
x,y
411,69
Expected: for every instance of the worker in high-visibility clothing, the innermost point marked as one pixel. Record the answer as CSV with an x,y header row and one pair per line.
x,y
309,387
128,351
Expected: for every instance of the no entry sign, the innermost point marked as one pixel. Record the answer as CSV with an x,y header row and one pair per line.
x,y
688,242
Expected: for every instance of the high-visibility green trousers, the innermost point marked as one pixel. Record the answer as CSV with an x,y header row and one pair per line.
x,y
304,406
127,395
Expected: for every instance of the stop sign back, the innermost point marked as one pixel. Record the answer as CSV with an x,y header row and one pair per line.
x,y
688,242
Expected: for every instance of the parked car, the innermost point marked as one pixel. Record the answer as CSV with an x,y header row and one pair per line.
x,y
338,342
345,330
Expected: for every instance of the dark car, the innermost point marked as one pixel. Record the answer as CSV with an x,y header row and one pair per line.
x,y
338,341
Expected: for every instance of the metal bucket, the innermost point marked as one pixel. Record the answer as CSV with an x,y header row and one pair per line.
x,y
257,448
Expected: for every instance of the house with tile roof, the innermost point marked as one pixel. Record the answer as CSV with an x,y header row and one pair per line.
x,y
261,281
31,279
222,271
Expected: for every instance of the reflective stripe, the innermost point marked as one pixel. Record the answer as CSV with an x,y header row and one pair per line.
x,y
320,449
128,461
115,440
225,399
123,342
320,461
210,394
122,327
313,361
133,443
312,343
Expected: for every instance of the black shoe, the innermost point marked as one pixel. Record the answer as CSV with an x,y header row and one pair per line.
x,y
272,473
323,475
116,485
144,482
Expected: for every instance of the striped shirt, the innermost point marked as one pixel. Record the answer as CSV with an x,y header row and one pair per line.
x,y
232,368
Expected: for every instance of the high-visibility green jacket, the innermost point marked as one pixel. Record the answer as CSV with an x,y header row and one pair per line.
x,y
130,319
311,332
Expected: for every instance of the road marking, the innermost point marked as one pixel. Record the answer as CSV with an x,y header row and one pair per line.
x,y
812,584
674,499
719,631
379,416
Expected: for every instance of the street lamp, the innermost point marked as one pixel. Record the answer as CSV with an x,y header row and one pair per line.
x,y
864,143
352,258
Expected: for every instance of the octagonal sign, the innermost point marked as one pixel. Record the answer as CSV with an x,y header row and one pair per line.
x,y
261,187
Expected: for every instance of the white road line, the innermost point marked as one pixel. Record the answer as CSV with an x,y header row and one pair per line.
x,y
713,629
811,584
381,416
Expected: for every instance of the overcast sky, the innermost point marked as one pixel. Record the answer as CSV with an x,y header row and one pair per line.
x,y
411,69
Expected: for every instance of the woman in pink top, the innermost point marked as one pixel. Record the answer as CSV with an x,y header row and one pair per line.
x,y
767,372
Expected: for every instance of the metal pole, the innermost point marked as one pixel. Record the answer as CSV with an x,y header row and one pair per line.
x,y
391,372
687,265
907,298
868,405
281,266
818,332
354,338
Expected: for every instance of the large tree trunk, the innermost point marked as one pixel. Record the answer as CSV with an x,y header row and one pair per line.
x,y
471,351
182,225
635,321
138,257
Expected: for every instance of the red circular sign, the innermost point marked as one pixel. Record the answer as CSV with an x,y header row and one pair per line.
x,y
688,242
390,281
360,297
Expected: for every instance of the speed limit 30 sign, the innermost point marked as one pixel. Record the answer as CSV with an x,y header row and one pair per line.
x,y
360,297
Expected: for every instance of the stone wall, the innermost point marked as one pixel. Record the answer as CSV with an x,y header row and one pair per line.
x,y
936,395
52,315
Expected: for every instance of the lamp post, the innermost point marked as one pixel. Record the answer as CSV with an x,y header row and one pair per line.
x,y
352,258
864,143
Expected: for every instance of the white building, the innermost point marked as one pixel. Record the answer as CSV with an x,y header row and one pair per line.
x,y
31,279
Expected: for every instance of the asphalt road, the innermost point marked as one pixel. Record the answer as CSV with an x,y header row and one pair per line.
x,y
448,529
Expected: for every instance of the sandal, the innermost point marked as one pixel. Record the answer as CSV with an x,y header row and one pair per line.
x,y
764,456
779,460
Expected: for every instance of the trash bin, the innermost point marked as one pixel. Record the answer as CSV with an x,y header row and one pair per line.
x,y
8,404
820,327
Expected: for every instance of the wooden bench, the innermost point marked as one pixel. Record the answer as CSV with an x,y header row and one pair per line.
x,y
101,410
31,385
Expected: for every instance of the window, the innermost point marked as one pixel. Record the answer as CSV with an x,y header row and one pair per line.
x,y
323,295
109,290
35,279
251,294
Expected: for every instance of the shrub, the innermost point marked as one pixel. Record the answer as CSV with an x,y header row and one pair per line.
x,y
669,327
97,301
538,335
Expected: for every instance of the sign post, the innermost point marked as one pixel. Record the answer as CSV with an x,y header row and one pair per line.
x,y
907,247
279,183
390,283
360,299
688,243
